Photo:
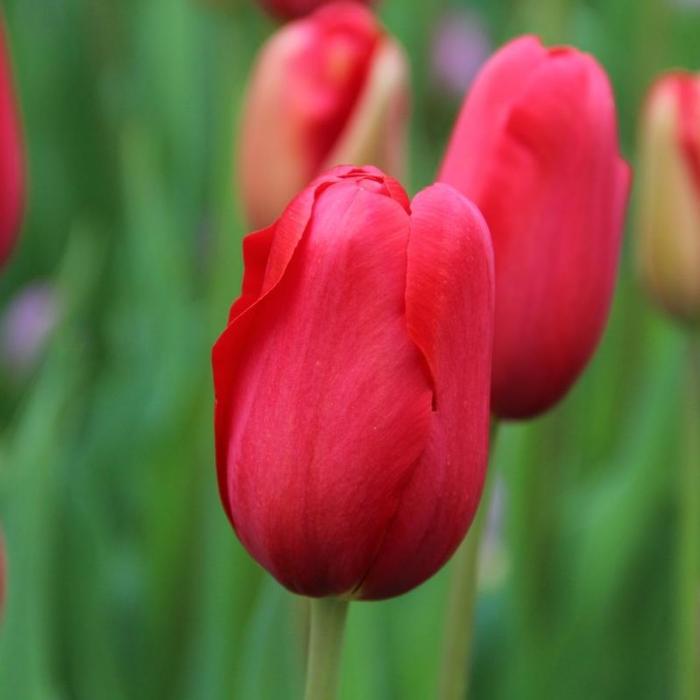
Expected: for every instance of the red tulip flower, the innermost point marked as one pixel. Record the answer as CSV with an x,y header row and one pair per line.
x,y
536,148
11,167
328,89
291,9
352,386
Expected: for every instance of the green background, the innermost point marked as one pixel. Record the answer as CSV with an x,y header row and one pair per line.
x,y
125,579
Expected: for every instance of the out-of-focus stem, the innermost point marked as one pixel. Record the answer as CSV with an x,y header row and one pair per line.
x,y
325,647
459,621
689,535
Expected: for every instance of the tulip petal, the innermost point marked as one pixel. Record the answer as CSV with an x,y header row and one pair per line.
x,y
332,399
449,309
267,254
486,109
558,166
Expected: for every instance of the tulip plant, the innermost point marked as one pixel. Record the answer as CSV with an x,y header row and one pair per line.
x,y
352,391
354,379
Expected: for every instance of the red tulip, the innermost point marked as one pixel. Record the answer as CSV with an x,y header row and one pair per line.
x,y
328,89
535,147
291,9
11,168
352,386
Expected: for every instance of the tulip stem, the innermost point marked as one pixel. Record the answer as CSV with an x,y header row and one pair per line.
x,y
461,603
325,647
689,536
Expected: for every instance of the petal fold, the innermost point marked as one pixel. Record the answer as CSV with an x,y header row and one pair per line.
x,y
449,311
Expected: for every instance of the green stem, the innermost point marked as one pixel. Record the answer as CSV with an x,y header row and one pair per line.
x,y
689,545
325,647
459,622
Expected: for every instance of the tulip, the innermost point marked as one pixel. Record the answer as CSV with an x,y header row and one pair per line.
x,y
291,9
669,202
11,168
536,148
328,89
352,386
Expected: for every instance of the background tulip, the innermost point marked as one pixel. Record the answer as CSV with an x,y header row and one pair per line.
x,y
289,9
11,175
669,201
352,386
328,89
535,147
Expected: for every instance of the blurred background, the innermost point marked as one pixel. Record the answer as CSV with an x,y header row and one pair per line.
x,y
125,579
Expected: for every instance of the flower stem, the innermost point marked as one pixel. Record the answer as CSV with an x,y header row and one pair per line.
x,y
689,544
325,647
459,622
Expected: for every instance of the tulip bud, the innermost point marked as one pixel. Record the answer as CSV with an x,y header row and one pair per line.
x,y
11,168
328,89
292,9
669,202
535,147
352,386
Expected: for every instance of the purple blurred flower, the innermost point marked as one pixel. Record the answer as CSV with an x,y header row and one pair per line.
x,y
493,557
26,325
460,45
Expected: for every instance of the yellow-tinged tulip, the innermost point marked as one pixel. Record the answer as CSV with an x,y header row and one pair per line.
x,y
669,195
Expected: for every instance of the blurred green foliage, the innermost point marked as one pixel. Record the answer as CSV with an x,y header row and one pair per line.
x,y
125,580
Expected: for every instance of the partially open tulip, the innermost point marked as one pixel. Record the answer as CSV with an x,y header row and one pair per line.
x,y
328,89
291,9
352,386
11,167
669,195
536,148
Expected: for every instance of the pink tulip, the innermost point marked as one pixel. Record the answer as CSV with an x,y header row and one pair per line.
x,y
536,148
352,386
11,165
326,90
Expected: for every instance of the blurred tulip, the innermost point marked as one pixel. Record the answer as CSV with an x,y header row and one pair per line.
x,y
460,46
352,386
11,167
292,9
536,148
327,90
669,201
26,326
